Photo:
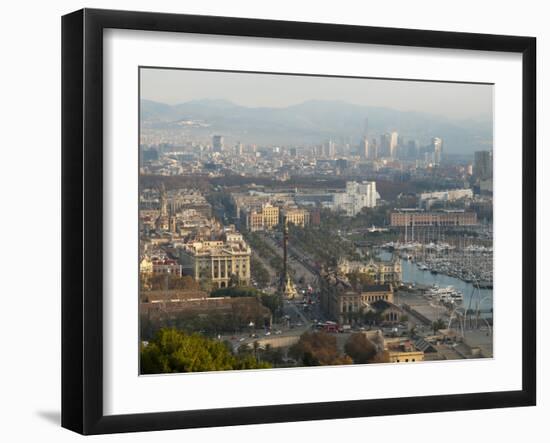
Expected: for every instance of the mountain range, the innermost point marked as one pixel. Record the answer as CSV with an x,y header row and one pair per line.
x,y
312,122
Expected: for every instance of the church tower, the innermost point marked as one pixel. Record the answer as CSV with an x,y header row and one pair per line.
x,y
172,220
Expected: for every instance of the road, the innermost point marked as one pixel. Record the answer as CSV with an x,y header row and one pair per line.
x,y
296,261
297,320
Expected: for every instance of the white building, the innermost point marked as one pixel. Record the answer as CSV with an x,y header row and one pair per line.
x,y
437,147
364,149
220,261
393,144
427,198
356,197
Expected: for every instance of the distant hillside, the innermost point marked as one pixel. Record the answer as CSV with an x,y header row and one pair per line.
x,y
311,122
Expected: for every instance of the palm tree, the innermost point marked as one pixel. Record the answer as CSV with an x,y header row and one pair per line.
x,y
256,346
437,325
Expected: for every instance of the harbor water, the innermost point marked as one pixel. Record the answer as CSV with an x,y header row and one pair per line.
x,y
413,274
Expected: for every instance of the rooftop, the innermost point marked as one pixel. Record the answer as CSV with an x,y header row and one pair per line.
x,y
377,288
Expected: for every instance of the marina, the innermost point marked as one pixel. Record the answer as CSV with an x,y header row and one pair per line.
x,y
418,275
467,256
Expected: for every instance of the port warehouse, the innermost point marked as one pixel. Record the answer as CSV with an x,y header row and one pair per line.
x,y
445,218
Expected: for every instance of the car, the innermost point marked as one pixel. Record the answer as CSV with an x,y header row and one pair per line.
x,y
278,332
242,339
268,333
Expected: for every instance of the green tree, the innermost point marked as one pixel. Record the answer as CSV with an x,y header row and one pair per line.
x,y
276,263
318,349
360,280
206,284
437,325
175,351
372,317
271,301
272,355
259,272
236,291
360,348
256,347
233,280
274,303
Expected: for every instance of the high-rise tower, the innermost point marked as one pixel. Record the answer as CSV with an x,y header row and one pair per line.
x,y
483,165
364,148
437,147
393,144
217,143
385,145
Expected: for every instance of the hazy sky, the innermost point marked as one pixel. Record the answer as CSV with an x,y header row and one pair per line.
x,y
453,100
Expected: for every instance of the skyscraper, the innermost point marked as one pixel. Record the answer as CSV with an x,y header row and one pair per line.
x,y
239,148
385,143
330,149
373,149
364,148
217,143
393,144
437,148
412,150
483,165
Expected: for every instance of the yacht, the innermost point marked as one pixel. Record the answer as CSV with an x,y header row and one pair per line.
x,y
446,294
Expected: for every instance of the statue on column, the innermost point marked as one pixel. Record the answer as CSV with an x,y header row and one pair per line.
x,y
286,287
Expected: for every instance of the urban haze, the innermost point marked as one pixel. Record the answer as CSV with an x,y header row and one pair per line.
x,y
461,101
279,109
293,221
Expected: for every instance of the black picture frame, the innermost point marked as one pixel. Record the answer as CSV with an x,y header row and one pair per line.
x,y
82,216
